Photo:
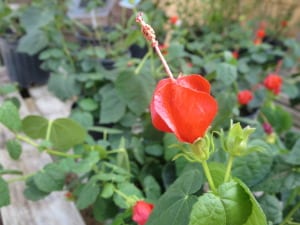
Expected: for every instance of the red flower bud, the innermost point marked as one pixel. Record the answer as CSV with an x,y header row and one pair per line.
x,y
183,106
284,23
260,33
235,54
173,20
163,48
244,97
141,212
268,128
273,82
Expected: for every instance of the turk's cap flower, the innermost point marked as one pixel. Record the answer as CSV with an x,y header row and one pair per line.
x,y
183,106
244,97
273,82
141,212
235,54
174,20
260,33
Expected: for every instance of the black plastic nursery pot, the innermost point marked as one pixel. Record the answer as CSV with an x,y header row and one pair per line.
x,y
21,67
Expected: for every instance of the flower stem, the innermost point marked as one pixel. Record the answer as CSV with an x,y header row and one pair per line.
x,y
291,213
149,35
163,61
57,153
208,176
228,169
141,64
49,151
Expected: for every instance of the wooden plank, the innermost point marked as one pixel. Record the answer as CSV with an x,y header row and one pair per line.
x,y
52,210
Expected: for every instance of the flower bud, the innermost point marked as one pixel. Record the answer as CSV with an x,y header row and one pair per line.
x,y
236,141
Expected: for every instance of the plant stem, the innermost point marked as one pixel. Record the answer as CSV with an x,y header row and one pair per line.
x,y
27,140
228,168
141,64
291,213
49,151
164,62
21,178
57,153
49,130
208,176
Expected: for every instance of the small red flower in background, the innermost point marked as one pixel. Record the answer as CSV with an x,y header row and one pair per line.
x,y
141,212
163,48
244,97
284,23
273,82
260,33
69,195
173,19
235,54
268,128
183,106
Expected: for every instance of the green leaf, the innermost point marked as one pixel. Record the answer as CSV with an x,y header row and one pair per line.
x,y
259,57
257,215
175,205
154,150
4,193
226,73
135,90
282,177
35,126
14,149
208,210
88,194
33,42
32,192
108,190
63,133
275,113
88,104
8,88
293,157
104,209
64,87
86,164
236,203
112,107
66,133
129,190
50,178
217,171
33,18
85,119
152,188
252,168
272,208
9,116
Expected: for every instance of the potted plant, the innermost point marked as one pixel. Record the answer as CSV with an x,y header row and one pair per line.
x,y
21,41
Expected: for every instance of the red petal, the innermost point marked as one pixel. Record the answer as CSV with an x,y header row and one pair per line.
x,y
157,121
195,82
186,112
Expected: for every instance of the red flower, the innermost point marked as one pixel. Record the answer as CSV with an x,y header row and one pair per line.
x,y
163,48
235,54
284,23
273,82
141,212
183,106
173,20
244,97
260,33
